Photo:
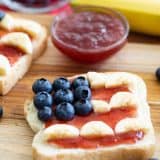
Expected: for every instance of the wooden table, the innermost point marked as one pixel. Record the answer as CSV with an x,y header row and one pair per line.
x,y
140,55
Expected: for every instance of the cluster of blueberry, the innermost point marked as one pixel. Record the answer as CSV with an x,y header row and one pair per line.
x,y
62,99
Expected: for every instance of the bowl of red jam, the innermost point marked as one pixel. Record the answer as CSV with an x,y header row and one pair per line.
x,y
90,34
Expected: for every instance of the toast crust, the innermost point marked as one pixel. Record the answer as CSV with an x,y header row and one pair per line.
x,y
40,43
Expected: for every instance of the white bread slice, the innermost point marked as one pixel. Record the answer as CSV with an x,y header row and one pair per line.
x,y
38,44
141,150
140,91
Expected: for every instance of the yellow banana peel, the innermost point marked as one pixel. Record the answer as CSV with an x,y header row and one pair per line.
x,y
143,15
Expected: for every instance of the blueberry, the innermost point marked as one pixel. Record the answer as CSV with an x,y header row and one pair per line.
x,y
45,114
1,112
63,95
65,111
82,92
80,81
158,74
42,85
61,83
42,99
83,107
2,15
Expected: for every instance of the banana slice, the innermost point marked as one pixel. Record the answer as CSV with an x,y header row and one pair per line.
x,y
100,106
95,129
4,66
123,99
60,131
19,40
7,22
96,80
28,26
119,79
131,124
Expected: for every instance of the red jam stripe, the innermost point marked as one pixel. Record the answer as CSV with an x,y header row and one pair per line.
x,y
106,93
12,53
80,142
111,118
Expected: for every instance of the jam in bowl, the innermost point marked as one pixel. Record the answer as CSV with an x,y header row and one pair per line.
x,y
90,34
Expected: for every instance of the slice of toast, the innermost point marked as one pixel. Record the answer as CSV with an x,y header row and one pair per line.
x,y
34,34
142,149
136,84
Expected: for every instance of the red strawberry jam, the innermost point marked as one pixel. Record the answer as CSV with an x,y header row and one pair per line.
x,y
111,118
88,143
90,36
106,93
13,54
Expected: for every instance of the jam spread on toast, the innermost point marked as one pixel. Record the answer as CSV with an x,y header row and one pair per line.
x,y
106,93
111,118
107,141
12,53
67,111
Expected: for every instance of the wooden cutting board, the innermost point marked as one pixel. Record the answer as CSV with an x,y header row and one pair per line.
x,y
142,58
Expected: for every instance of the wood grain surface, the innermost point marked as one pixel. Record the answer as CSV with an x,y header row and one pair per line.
x,y
142,58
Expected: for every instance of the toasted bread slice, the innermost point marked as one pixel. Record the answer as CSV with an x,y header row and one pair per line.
x,y
26,35
134,82
46,149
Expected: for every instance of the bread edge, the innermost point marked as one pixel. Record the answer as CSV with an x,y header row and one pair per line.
x,y
17,72
40,43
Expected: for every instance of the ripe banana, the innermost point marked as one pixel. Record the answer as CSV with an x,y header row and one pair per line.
x,y
143,15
